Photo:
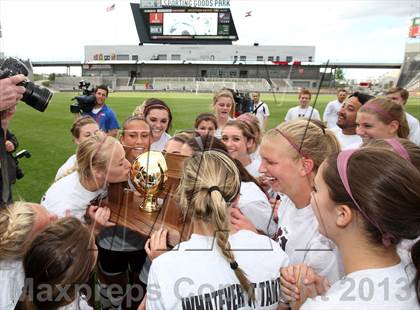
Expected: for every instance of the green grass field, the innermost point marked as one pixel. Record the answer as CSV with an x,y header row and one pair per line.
x,y
47,135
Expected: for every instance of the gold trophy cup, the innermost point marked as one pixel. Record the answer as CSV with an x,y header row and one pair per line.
x,y
149,173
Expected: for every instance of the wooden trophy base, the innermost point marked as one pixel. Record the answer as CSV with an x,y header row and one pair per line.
x,y
125,207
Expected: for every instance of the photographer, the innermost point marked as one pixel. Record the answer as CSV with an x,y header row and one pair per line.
x,y
10,146
102,114
10,93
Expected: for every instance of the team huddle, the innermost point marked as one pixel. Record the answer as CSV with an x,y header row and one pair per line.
x,y
308,215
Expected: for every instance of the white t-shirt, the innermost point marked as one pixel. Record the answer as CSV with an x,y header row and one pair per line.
x,y
70,163
160,144
382,288
68,194
254,204
298,112
256,155
414,126
253,167
196,273
347,142
12,279
330,113
300,238
262,113
218,131
80,303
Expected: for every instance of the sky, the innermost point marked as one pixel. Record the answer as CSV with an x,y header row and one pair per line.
x,y
340,30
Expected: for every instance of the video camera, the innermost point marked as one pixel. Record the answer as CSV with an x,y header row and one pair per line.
x,y
35,96
86,101
243,102
19,172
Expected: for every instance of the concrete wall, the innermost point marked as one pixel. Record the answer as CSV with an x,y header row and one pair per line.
x,y
205,70
199,52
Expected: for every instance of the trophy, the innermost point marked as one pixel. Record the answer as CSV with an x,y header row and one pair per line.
x,y
148,175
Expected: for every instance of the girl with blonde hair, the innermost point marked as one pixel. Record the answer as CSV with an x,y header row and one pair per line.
x,y
100,160
241,140
291,155
19,222
121,252
136,137
217,265
223,105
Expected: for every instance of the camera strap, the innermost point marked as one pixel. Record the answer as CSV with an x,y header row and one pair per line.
x,y
4,173
256,109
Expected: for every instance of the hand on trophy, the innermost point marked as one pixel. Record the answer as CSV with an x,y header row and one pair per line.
x,y
157,244
99,218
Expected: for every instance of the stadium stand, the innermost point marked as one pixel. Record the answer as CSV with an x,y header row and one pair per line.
x,y
410,75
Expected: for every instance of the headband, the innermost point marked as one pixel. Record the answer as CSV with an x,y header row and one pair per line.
x,y
342,165
292,144
378,109
398,148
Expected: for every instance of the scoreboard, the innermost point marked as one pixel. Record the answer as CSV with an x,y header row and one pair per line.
x,y
184,25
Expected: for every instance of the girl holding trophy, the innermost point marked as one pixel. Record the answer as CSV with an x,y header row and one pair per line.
x,y
217,259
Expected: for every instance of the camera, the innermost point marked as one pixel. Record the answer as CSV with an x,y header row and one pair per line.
x,y
243,102
19,172
86,101
35,96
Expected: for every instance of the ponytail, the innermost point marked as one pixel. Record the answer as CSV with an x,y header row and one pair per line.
x,y
222,234
210,182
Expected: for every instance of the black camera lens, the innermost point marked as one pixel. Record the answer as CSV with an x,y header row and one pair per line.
x,y
19,173
36,96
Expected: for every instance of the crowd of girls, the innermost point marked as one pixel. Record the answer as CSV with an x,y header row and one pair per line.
x,y
281,220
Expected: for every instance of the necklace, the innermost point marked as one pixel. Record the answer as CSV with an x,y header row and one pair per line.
x,y
302,112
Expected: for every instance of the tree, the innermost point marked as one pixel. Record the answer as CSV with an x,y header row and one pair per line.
x,y
339,74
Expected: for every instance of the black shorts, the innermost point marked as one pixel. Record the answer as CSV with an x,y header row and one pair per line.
x,y
118,262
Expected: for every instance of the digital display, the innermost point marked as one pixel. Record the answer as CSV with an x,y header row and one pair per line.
x,y
224,17
190,24
156,29
223,30
156,18
184,25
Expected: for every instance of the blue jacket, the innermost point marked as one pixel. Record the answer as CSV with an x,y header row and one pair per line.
x,y
105,118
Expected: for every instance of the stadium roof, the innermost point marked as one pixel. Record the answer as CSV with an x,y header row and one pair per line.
x,y
345,65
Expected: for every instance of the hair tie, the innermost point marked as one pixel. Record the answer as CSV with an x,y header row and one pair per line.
x,y
234,265
321,127
387,239
213,188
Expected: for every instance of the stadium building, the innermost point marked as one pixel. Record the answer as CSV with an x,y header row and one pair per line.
x,y
187,46
410,72
268,66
